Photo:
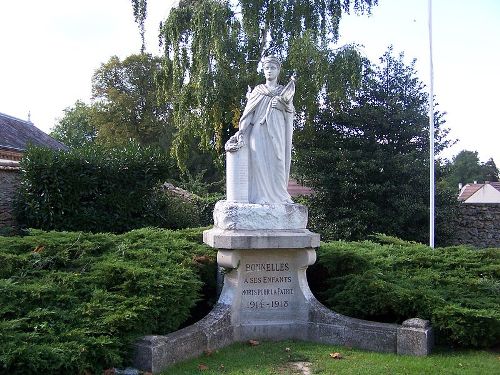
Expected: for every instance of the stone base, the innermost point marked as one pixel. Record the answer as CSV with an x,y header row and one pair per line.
x,y
250,216
266,297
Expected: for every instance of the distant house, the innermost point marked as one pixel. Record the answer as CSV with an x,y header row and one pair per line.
x,y
478,217
15,136
489,192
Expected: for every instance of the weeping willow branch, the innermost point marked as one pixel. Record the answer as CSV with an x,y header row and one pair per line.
x,y
140,14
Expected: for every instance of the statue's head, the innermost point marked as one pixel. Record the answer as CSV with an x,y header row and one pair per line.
x,y
271,66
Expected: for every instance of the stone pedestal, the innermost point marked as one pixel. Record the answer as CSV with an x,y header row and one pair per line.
x,y
266,297
267,292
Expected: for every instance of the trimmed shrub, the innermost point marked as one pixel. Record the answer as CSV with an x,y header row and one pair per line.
x,y
99,190
456,288
166,210
74,302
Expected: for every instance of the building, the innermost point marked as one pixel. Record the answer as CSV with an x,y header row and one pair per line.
x,y
478,217
15,137
489,192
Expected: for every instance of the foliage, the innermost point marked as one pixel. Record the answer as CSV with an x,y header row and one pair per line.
x,y
73,303
465,168
169,211
76,128
127,106
456,288
283,358
95,189
140,14
212,51
367,158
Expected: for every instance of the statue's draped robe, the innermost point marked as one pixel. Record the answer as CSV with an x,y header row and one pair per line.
x,y
270,145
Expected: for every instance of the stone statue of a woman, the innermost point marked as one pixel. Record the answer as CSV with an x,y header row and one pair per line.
x,y
266,127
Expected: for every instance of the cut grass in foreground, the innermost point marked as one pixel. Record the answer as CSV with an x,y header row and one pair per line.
x,y
291,357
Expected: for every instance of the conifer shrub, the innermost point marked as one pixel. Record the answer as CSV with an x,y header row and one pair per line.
x,y
72,302
456,288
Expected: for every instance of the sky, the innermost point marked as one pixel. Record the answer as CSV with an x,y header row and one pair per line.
x,y
50,49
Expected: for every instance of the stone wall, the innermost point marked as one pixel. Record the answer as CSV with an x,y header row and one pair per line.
x,y
9,182
478,225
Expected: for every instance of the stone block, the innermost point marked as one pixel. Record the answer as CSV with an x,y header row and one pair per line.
x,y
337,329
155,353
415,337
249,216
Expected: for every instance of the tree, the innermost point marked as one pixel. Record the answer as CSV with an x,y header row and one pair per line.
x,y
212,51
368,158
127,105
465,168
76,128
490,170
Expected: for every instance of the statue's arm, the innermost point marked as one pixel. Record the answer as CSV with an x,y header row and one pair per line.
x,y
245,125
278,102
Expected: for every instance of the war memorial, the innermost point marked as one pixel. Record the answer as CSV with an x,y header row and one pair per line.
x,y
264,248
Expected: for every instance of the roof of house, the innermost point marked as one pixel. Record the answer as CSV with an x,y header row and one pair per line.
x,y
470,189
17,134
295,188
496,185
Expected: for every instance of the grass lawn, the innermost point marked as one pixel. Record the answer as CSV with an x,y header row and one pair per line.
x,y
291,357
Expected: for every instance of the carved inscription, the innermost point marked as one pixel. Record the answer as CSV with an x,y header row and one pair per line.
x,y
267,286
237,176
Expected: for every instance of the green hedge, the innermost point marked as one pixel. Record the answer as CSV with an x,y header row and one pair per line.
x,y
456,288
74,302
99,190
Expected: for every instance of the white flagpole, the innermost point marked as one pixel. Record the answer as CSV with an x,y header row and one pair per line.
x,y
431,137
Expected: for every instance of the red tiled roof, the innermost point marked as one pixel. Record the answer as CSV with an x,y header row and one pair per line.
x,y
468,190
295,189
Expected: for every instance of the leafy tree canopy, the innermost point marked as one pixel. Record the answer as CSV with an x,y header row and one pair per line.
x,y
125,107
127,104
140,14
465,168
76,128
368,158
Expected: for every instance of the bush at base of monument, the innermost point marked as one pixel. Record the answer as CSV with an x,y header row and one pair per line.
x,y
71,302
456,288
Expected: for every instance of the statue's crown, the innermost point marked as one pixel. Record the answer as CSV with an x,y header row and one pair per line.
x,y
271,59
